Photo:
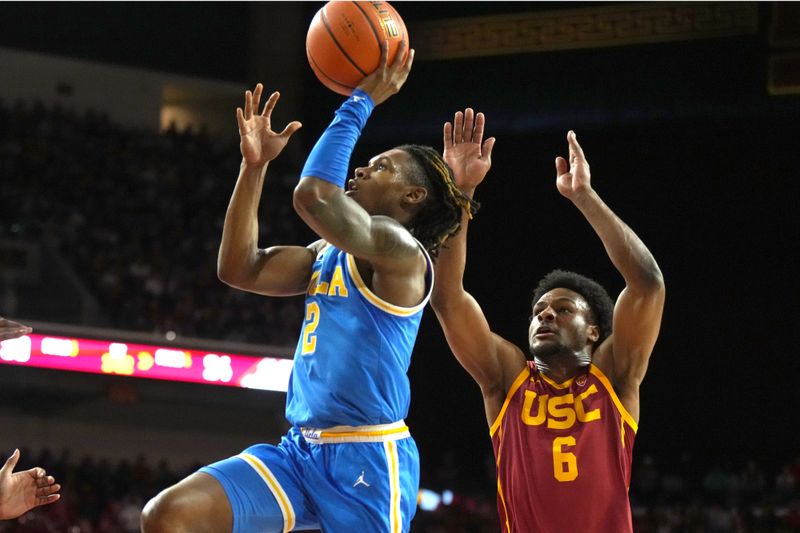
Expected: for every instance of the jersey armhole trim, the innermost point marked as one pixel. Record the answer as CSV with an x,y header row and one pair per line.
x,y
511,391
626,416
381,303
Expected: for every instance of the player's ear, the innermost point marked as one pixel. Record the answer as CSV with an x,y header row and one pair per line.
x,y
593,334
415,195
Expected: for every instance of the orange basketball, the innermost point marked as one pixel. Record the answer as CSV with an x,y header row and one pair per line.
x,y
344,39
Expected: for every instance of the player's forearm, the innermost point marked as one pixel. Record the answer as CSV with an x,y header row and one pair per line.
x,y
319,197
626,250
238,251
449,268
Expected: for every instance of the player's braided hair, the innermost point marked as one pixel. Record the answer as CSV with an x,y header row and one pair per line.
x,y
596,296
439,216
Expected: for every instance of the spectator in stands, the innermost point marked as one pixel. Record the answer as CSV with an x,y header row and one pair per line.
x,y
138,233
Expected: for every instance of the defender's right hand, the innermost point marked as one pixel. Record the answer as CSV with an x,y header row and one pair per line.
x,y
259,144
469,156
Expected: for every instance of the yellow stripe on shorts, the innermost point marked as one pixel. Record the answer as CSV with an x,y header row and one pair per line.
x,y
275,488
395,517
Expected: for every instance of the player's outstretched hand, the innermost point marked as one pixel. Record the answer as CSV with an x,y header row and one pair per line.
x,y
259,143
465,151
11,330
388,79
22,491
574,179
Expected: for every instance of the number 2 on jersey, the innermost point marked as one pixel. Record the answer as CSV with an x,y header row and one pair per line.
x,y
309,339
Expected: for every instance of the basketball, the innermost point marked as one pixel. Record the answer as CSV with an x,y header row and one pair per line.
x,y
344,39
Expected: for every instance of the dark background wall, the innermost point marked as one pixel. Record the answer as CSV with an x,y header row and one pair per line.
x,y
685,143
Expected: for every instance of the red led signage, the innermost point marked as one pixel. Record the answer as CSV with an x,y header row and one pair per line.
x,y
147,361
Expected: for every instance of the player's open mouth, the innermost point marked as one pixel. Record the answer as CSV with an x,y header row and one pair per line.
x,y
544,333
351,187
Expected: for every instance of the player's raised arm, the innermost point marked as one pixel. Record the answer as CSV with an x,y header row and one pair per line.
x,y
275,271
469,336
625,354
320,198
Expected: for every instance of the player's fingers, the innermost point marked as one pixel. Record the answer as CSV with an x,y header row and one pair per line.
x,y
5,323
7,334
480,123
384,54
486,149
10,463
561,166
240,120
43,480
257,97
270,105
448,135
575,149
469,122
290,128
399,54
409,61
44,500
48,490
458,127
248,105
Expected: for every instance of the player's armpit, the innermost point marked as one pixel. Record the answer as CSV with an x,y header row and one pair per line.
x,y
637,321
625,355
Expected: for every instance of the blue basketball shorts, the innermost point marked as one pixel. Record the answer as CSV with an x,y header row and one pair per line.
x,y
339,480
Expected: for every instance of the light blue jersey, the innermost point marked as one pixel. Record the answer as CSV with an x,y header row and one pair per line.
x,y
349,462
354,350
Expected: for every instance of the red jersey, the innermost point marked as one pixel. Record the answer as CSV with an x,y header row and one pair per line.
x,y
563,454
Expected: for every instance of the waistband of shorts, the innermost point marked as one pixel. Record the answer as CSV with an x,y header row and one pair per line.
x,y
339,434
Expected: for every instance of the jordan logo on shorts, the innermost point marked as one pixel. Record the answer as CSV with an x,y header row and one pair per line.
x,y
360,481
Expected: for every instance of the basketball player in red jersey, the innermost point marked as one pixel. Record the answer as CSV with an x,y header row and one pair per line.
x,y
563,424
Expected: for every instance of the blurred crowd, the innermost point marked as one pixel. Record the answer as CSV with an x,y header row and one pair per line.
x,y
714,494
99,496
138,216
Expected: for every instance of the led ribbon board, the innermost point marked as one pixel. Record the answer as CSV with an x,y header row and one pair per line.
x,y
147,361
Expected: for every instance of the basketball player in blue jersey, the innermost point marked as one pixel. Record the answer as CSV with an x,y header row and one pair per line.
x,y
348,463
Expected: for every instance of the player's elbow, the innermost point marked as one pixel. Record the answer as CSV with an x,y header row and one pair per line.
x,y
445,302
654,281
227,275
649,280
232,274
307,194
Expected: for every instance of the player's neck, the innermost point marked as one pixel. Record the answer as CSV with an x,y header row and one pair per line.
x,y
563,366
